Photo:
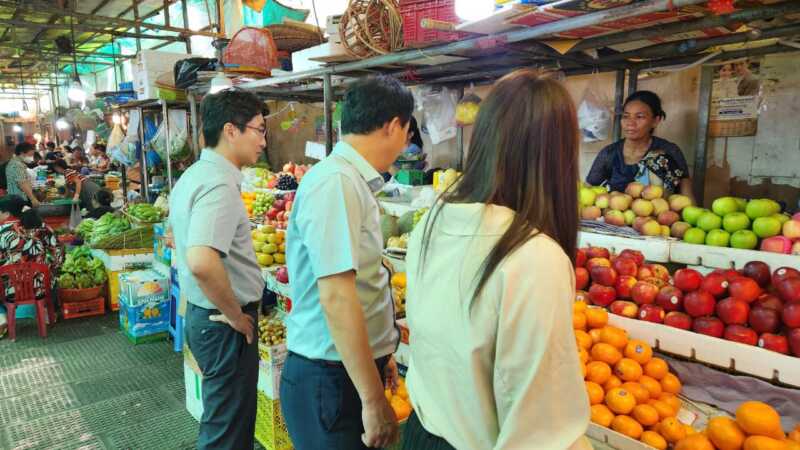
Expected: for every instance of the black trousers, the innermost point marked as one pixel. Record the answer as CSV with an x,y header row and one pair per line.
x,y
320,404
416,437
230,376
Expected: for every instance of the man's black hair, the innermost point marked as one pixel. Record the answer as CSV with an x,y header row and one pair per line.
x,y
104,197
51,145
23,147
372,102
61,164
12,204
229,106
416,138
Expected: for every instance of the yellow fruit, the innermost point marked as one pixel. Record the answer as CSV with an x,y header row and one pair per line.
x,y
606,353
583,355
694,442
612,382
670,383
598,372
282,248
272,238
671,399
654,440
628,370
595,334
794,435
664,410
595,392
616,337
639,393
401,409
264,260
268,229
601,415
627,426
579,321
620,401
672,430
764,443
280,258
583,339
579,307
638,351
652,385
760,419
399,279
645,415
656,368
269,248
402,391
725,433
260,237
596,317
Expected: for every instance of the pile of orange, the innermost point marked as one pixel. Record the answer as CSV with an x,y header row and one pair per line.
x,y
399,401
757,427
630,390
248,198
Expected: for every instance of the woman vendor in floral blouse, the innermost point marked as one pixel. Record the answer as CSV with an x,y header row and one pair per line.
x,y
641,156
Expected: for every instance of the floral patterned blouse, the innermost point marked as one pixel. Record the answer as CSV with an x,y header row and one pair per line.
x,y
39,245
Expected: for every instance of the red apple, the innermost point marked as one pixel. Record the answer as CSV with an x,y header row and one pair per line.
x,y
784,273
639,221
688,280
763,320
710,326
793,336
660,271
581,278
598,252
733,312
644,273
625,266
670,298
744,289
644,293
789,290
655,281
699,303
791,315
636,255
774,342
623,308
730,274
581,257
678,319
759,271
651,313
769,301
597,262
582,296
715,284
606,276
601,295
741,334
624,286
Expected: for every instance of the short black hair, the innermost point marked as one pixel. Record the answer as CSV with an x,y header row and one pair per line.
x,y
373,101
416,137
51,145
23,147
229,106
60,163
30,219
104,197
12,204
649,98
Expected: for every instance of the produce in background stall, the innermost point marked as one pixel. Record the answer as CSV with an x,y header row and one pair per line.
x,y
270,246
81,270
108,225
272,331
85,228
145,212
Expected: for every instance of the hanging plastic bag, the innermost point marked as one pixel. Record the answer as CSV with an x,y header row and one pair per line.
x,y
178,131
116,136
185,71
467,110
594,116
75,216
439,107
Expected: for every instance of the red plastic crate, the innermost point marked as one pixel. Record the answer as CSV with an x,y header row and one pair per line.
x,y
413,11
94,307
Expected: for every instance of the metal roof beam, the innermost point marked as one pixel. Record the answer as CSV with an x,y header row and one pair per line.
x,y
668,62
81,27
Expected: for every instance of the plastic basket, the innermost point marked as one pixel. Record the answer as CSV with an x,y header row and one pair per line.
x,y
79,295
94,307
414,11
271,429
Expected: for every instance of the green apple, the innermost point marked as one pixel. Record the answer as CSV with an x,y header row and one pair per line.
x,y
692,213
783,218
724,205
600,189
762,207
586,196
695,236
718,238
709,221
765,227
735,221
630,216
744,239
741,204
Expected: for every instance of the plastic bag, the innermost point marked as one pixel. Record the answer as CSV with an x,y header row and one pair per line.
x,y
75,216
116,136
439,107
185,70
594,117
179,141
467,110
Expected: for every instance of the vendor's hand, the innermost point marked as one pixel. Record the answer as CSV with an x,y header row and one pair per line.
x,y
243,323
76,198
391,376
380,423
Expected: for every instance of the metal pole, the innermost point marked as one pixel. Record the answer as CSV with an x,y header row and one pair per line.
x,y
185,13
193,122
633,81
703,114
165,112
166,13
143,163
327,92
220,18
138,28
619,96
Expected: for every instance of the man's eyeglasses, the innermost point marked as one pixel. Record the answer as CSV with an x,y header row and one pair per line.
x,y
262,131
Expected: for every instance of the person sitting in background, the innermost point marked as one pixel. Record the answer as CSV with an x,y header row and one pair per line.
x,y
101,160
17,177
79,159
102,204
52,154
24,238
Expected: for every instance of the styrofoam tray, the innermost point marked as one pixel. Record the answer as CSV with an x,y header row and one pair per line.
x,y
729,355
727,258
654,249
613,439
396,209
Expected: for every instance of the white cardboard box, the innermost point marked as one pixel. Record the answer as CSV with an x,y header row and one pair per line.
x,y
148,66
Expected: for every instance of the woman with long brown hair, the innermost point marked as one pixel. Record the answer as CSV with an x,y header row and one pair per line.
x,y
491,283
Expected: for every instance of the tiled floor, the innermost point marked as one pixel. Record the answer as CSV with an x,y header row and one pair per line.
x,y
87,387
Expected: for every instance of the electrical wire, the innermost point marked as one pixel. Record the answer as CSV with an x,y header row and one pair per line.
x,y
316,19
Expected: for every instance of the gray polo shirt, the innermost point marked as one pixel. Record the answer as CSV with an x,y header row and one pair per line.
x,y
335,228
206,210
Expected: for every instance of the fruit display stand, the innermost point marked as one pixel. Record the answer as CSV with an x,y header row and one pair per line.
x,y
654,249
726,258
717,352
273,284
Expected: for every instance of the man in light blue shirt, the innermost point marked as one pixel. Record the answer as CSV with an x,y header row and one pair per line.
x,y
341,332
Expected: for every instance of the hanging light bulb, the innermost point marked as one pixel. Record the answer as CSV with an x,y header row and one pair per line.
x,y
76,92
472,10
17,129
220,82
62,124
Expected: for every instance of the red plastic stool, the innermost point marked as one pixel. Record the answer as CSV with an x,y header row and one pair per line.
x,y
20,277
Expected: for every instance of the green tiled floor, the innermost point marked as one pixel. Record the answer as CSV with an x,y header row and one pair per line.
x,y
86,387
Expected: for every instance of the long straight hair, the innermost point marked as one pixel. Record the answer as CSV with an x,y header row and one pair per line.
x,y
523,155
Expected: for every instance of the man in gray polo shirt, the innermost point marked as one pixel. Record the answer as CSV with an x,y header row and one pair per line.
x,y
217,267
341,331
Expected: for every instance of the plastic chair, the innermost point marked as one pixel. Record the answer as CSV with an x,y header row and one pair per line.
x,y
20,277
